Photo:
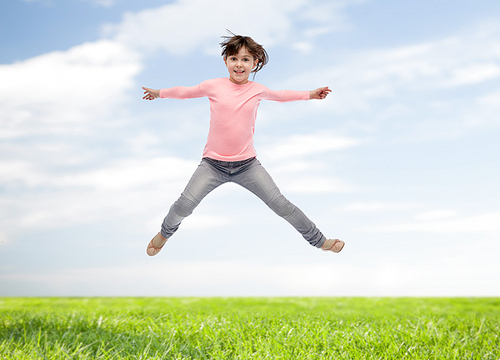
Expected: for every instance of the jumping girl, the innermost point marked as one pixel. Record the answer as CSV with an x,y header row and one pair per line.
x,y
229,154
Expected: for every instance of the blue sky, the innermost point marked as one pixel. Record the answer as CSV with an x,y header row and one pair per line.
x,y
401,160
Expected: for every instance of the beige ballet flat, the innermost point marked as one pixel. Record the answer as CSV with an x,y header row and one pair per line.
x,y
152,249
334,245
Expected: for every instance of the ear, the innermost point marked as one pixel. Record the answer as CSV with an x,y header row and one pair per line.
x,y
225,61
255,64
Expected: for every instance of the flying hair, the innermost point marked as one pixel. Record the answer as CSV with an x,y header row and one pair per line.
x,y
232,44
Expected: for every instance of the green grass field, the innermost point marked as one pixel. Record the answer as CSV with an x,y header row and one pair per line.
x,y
249,328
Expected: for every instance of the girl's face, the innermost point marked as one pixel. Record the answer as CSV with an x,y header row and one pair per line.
x,y
240,66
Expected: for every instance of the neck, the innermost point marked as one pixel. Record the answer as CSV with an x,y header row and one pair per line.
x,y
237,83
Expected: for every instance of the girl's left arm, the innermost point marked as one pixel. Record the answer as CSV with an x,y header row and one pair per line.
x,y
320,93
292,95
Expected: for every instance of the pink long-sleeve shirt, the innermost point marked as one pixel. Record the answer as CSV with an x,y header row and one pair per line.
x,y
233,110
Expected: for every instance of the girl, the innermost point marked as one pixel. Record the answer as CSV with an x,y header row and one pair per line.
x,y
229,154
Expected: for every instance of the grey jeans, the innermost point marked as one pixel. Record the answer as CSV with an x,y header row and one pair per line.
x,y
252,176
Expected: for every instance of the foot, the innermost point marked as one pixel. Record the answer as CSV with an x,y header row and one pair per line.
x,y
334,245
155,245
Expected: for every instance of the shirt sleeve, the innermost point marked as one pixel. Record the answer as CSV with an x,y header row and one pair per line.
x,y
287,95
182,92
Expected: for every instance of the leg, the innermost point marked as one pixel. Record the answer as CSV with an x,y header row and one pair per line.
x,y
257,180
203,181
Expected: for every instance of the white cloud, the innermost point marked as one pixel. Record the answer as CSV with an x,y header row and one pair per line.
x,y
436,214
473,74
303,46
64,90
446,63
125,188
204,221
378,206
474,224
130,174
185,25
119,176
297,166
307,144
413,87
492,99
311,176
317,185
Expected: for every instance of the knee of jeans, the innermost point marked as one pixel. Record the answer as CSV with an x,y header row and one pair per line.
x,y
184,207
281,206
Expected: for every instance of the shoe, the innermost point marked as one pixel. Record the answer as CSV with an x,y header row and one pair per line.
x,y
334,245
152,249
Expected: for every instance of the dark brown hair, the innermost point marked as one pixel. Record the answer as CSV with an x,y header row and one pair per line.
x,y
232,45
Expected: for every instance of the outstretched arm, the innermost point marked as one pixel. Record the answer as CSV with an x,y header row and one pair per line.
x,y
320,93
150,94
177,92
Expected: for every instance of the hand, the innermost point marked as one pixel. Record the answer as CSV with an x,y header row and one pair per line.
x,y
319,93
150,94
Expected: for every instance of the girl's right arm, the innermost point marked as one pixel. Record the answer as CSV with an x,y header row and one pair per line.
x,y
178,92
150,94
